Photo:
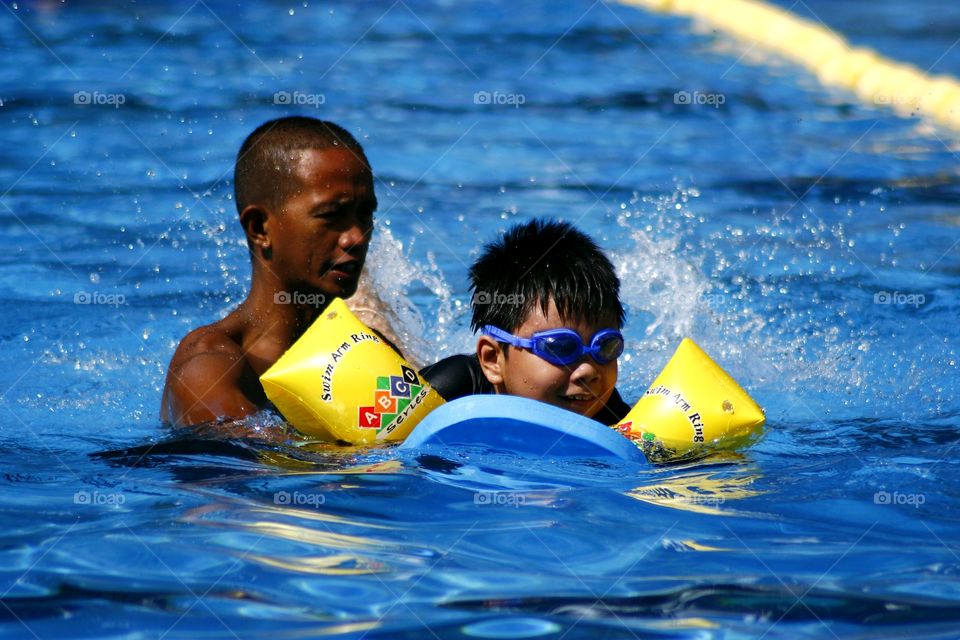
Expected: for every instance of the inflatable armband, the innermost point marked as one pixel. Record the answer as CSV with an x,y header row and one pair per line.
x,y
341,381
692,406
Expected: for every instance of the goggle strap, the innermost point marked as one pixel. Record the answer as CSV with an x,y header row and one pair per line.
x,y
502,336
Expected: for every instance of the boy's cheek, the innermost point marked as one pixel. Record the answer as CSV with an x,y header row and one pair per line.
x,y
531,377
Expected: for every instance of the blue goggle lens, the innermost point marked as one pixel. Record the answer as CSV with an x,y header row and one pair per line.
x,y
567,349
609,349
563,348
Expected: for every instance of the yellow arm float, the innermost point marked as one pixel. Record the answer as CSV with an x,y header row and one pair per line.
x,y
693,406
341,382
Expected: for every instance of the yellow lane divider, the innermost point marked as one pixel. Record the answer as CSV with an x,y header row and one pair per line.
x,y
874,78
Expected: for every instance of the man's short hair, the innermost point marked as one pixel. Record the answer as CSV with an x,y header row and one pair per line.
x,y
264,171
537,261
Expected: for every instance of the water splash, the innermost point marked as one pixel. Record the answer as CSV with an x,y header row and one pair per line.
x,y
406,287
678,280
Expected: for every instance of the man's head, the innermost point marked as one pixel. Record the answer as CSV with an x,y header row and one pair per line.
x,y
541,276
304,192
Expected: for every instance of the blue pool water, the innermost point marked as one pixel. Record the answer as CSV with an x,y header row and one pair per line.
x,y
805,240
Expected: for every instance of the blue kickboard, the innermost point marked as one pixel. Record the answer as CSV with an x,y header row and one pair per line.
x,y
520,425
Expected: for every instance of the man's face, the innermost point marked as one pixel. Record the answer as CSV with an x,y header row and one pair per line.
x,y
321,236
582,387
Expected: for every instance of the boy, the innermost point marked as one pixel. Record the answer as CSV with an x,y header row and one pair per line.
x,y
546,301
304,193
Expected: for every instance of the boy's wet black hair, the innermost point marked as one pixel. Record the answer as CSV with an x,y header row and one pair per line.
x,y
265,164
534,262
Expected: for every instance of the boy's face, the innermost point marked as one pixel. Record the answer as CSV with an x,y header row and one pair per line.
x,y
582,387
321,236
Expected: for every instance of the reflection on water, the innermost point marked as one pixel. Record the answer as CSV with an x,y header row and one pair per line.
x,y
755,603
711,492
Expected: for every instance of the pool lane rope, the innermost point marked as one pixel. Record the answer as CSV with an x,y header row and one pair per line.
x,y
875,79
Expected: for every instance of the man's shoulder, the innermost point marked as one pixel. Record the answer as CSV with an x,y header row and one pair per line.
x,y
209,368
207,345
213,352
211,339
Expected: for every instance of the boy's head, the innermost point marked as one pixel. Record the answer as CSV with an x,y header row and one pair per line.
x,y
540,276
304,192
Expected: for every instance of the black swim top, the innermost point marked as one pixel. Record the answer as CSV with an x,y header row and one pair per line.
x,y
460,375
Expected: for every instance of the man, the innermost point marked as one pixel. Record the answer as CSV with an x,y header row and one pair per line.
x,y
304,192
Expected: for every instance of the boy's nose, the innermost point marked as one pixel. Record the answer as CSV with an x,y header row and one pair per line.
x,y
586,371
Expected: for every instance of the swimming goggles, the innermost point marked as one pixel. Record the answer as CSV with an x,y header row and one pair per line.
x,y
564,346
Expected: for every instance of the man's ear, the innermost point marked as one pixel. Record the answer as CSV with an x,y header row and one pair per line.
x,y
256,222
490,355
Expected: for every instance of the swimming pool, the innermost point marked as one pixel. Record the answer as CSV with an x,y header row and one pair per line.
x,y
806,241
